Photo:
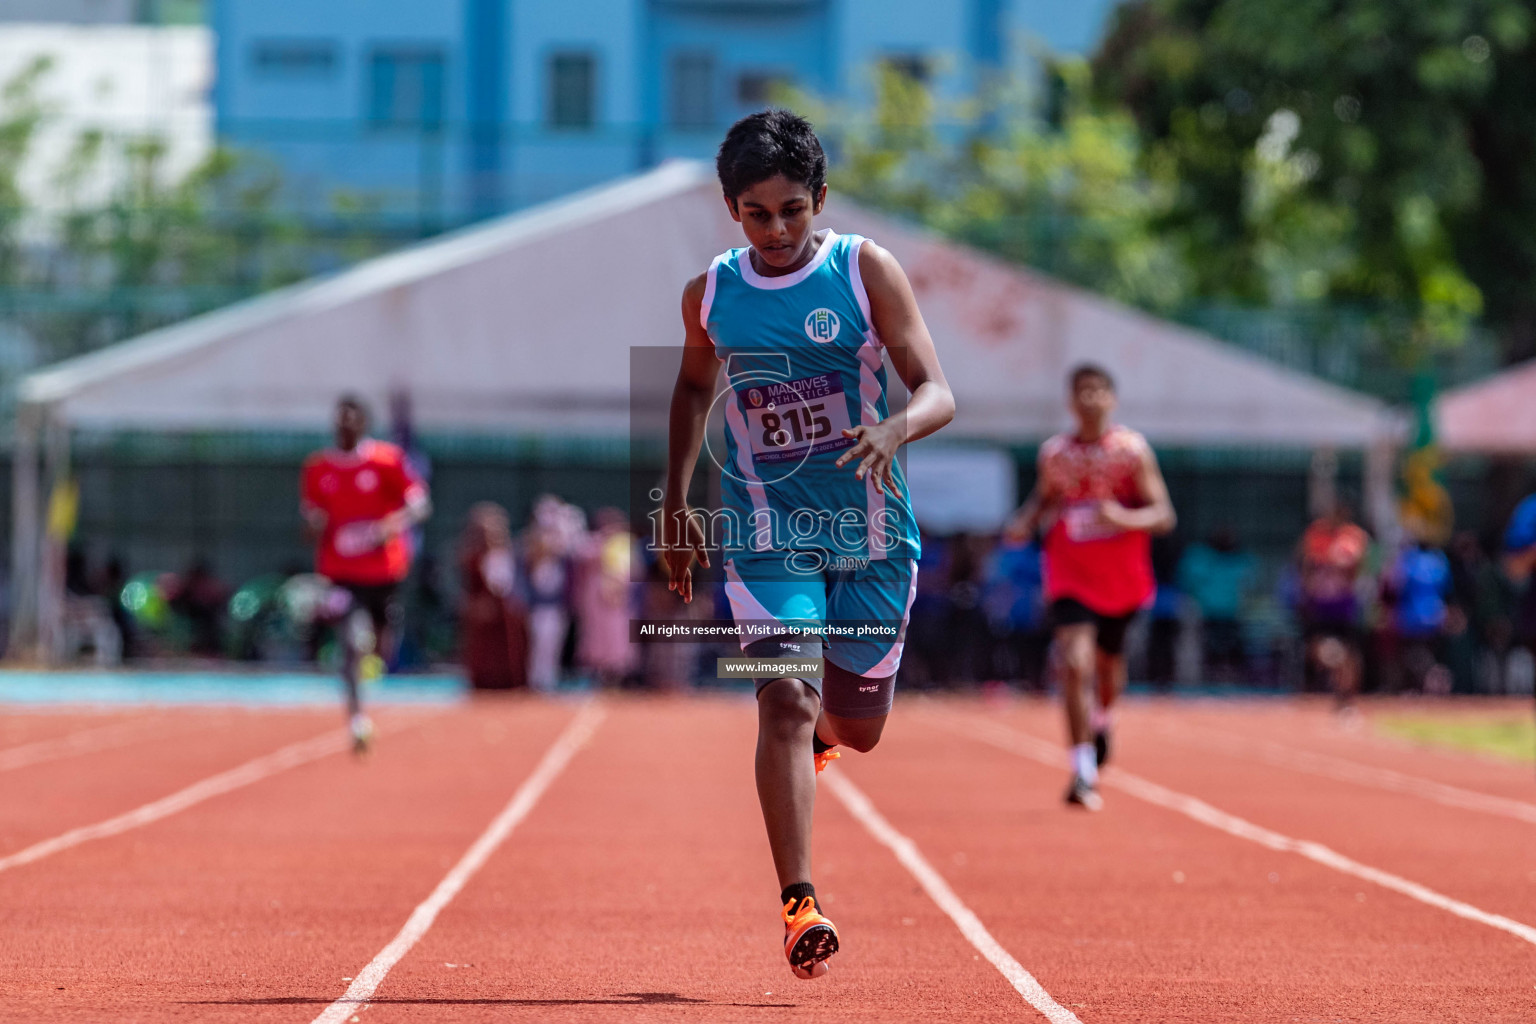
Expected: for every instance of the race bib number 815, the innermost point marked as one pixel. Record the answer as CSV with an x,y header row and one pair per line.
x,y
796,418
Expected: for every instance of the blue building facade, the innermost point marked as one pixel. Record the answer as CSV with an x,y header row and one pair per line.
x,y
451,110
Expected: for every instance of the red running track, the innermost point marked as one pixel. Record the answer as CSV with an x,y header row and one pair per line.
x,y
638,886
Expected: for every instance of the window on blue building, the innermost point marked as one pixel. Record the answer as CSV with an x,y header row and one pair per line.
x,y
405,87
757,89
301,57
691,93
572,99
911,66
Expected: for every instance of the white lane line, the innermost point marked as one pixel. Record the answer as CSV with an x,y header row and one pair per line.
x,y
215,785
85,741
1039,750
367,981
938,890
1328,766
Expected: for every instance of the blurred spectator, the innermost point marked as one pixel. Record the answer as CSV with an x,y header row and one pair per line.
x,y
199,597
1165,621
431,627
114,577
966,632
1331,554
77,579
1482,599
1216,575
604,598
548,544
1446,620
1520,563
1013,598
927,645
671,666
949,636
88,621
1415,587
493,626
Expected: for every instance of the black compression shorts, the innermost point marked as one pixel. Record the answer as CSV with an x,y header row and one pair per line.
x,y
1109,630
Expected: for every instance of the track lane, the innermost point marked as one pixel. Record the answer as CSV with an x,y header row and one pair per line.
x,y
641,889
121,733
1355,772
254,906
25,725
1143,914
576,735
1312,727
1486,860
44,800
257,905
943,895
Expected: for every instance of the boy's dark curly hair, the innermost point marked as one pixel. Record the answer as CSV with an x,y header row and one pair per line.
x,y
767,143
1089,371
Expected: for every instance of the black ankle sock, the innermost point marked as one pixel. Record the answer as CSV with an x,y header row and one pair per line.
x,y
819,745
796,893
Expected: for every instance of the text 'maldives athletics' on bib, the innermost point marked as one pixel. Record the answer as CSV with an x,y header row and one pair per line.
x,y
803,363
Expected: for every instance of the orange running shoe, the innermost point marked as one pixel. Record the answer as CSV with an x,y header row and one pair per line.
x,y
825,758
809,939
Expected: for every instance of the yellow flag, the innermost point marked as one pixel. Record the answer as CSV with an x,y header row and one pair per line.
x,y
63,509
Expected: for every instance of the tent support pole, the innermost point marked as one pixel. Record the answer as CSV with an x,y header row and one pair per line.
x,y
1377,488
25,535
50,590
1322,482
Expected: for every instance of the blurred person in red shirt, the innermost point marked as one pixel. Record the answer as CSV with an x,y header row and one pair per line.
x,y
1331,554
360,501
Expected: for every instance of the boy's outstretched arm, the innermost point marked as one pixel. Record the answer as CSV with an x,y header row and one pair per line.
x,y
1021,526
896,319
682,537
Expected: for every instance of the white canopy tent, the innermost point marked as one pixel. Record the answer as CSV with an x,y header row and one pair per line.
x,y
1496,416
524,325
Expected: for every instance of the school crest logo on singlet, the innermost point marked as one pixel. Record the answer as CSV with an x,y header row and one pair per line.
x,y
822,325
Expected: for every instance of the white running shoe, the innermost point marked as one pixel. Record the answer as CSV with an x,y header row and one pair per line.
x,y
1085,794
361,728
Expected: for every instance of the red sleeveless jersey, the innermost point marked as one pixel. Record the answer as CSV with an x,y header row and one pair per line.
x,y
1106,569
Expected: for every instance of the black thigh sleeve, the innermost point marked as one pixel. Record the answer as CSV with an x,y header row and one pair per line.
x,y
796,648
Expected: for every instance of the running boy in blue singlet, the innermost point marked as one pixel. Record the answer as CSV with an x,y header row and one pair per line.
x,y
820,534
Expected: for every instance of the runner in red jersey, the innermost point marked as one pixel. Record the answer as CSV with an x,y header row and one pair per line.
x,y
360,501
1099,497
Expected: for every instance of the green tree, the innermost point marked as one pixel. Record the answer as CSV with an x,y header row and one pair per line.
x,y
1068,193
21,112
156,248
1357,151
159,249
